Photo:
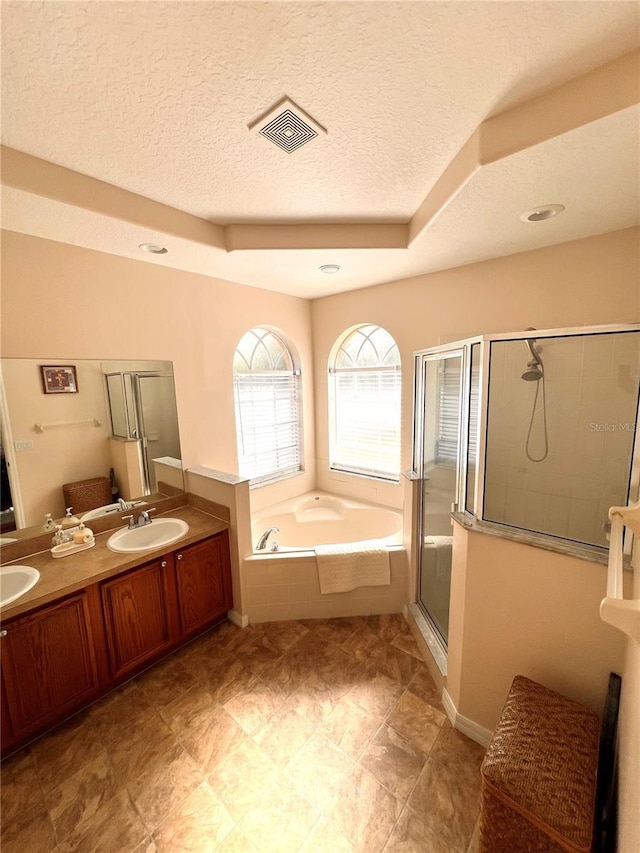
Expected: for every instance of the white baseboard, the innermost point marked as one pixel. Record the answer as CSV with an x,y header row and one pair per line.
x,y
463,724
238,619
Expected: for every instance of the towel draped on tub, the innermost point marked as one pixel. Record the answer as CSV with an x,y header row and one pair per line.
x,y
342,568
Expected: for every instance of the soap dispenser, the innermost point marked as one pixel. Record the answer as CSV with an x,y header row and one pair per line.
x,y
49,523
58,537
69,520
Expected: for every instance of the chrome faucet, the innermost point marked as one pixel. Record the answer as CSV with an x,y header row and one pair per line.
x,y
262,541
123,504
142,520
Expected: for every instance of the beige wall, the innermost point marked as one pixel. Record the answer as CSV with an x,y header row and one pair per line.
x,y
67,301
519,610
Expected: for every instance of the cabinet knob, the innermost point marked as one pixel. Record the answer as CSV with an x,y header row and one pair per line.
x,y
3,633
179,557
163,563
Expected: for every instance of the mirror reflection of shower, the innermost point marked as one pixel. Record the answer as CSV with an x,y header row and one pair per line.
x,y
535,373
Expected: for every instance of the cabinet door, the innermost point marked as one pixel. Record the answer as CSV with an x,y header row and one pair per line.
x,y
203,575
48,664
137,619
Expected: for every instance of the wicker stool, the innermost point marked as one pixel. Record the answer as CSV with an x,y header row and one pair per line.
x,y
539,774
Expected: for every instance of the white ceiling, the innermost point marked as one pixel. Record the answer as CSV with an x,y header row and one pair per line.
x,y
156,97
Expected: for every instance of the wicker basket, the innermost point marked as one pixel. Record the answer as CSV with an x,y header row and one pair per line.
x,y
87,494
539,775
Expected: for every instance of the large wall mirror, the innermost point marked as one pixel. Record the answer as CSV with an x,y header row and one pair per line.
x,y
110,424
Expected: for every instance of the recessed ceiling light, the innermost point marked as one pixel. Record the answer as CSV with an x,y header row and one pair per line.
x,y
539,214
330,269
153,249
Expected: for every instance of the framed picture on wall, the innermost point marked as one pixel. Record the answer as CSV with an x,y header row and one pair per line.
x,y
59,379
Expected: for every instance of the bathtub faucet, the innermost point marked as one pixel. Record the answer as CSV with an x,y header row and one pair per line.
x,y
262,541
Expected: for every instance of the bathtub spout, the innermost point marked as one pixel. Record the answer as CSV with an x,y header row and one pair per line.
x,y
262,541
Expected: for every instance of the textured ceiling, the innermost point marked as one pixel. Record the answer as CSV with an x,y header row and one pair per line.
x,y
156,97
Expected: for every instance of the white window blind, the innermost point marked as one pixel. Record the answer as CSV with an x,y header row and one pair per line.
x,y
268,410
448,411
365,387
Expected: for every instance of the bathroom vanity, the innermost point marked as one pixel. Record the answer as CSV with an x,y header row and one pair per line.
x,y
96,618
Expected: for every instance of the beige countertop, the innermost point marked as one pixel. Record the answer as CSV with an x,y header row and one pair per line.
x,y
62,576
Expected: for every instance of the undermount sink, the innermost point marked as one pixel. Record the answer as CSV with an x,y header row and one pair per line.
x,y
161,531
15,581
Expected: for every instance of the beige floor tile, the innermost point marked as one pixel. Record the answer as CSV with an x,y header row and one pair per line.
x,y
416,721
131,759
458,754
253,705
283,735
162,784
127,719
377,694
350,727
166,681
200,823
423,686
364,811
20,790
283,635
448,806
147,846
243,779
387,626
332,631
29,830
81,795
237,842
114,828
341,672
412,835
68,748
325,838
394,663
394,762
189,709
213,740
406,643
318,770
281,822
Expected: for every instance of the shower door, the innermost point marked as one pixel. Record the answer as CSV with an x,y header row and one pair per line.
x,y
438,435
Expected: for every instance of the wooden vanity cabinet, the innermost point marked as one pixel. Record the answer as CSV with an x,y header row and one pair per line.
x,y
59,658
49,665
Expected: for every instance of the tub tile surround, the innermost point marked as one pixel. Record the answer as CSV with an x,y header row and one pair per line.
x,y
286,586
280,736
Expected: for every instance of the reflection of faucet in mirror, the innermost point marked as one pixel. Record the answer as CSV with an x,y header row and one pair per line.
x,y
83,436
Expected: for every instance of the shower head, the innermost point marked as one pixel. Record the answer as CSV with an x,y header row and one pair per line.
x,y
534,352
533,373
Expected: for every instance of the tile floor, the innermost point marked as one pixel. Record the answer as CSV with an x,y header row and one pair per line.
x,y
311,736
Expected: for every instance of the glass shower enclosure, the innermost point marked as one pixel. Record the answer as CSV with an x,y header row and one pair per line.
x,y
530,433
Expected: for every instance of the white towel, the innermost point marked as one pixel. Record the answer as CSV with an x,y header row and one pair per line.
x,y
342,568
438,551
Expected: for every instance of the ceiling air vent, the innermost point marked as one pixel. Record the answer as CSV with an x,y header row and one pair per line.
x,y
287,126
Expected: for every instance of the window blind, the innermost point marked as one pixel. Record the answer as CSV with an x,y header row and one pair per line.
x,y
268,424
366,421
448,412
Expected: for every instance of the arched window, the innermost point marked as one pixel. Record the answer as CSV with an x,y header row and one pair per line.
x,y
266,384
364,404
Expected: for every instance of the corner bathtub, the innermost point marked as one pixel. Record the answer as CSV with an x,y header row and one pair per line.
x,y
319,518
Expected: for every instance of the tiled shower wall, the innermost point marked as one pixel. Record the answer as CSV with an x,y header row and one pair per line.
x,y
591,397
